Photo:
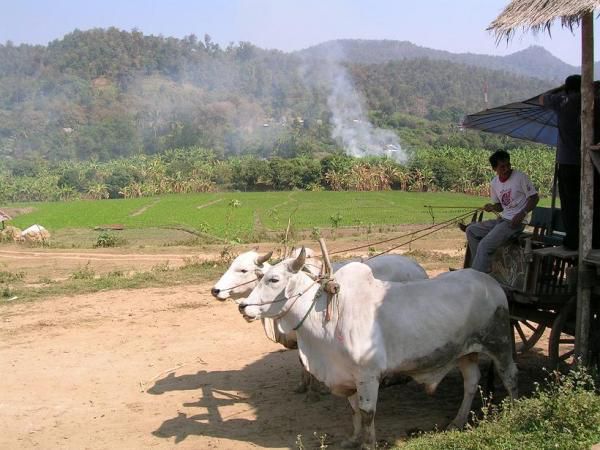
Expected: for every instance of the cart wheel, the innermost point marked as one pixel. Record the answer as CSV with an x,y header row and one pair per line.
x,y
561,347
527,333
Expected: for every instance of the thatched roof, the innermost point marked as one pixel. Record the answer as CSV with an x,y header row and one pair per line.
x,y
538,15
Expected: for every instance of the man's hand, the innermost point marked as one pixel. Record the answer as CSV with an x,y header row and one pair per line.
x,y
489,207
518,219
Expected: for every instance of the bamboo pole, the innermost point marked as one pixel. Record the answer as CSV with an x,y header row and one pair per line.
x,y
326,260
587,187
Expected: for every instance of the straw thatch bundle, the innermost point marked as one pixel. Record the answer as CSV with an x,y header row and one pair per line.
x,y
10,233
35,233
538,15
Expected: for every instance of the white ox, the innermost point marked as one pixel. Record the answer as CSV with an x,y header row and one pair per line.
x,y
422,329
244,272
241,276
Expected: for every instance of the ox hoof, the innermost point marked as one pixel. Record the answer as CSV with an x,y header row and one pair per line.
x,y
301,388
350,443
312,396
324,390
414,432
455,426
354,443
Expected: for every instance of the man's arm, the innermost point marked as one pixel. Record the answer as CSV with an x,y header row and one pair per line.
x,y
532,202
495,204
491,207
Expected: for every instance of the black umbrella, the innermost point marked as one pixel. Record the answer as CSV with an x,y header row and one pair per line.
x,y
523,120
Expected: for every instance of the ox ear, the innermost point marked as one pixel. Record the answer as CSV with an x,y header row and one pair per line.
x,y
291,289
260,260
299,261
259,273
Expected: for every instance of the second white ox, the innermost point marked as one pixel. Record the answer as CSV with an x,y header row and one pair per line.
x,y
246,269
422,329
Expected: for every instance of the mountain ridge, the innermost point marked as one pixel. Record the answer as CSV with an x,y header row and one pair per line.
x,y
106,93
534,61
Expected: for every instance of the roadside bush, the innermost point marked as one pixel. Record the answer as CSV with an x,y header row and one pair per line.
x,y
106,240
83,273
6,291
161,267
9,277
563,412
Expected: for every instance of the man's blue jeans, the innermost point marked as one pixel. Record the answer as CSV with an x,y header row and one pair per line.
x,y
485,238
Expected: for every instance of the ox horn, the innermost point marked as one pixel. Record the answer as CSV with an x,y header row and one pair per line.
x,y
260,260
299,261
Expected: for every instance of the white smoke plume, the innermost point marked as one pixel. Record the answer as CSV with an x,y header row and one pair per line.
x,y
351,126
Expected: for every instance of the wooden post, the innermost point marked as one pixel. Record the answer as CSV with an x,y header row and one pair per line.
x,y
586,209
554,192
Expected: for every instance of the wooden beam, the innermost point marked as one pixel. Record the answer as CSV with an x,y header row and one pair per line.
x,y
586,209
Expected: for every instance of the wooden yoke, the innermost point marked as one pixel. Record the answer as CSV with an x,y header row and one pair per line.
x,y
328,283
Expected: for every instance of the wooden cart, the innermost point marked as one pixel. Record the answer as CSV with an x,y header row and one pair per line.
x,y
539,277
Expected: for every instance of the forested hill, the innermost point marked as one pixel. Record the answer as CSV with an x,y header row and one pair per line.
x,y
534,61
106,93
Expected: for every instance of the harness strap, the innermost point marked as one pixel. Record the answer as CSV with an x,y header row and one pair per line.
x,y
242,284
295,297
312,305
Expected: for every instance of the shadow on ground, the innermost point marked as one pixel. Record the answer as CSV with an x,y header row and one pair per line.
x,y
257,405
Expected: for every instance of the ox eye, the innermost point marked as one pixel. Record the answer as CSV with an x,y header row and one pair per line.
x,y
244,271
273,280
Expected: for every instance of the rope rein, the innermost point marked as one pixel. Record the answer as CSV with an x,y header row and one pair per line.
x,y
430,209
437,227
241,284
295,297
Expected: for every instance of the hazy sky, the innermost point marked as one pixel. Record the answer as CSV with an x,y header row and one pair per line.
x,y
453,25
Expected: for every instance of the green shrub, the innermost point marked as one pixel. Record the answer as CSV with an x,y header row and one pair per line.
x,y
335,220
161,267
84,273
446,172
116,274
106,240
564,413
9,277
315,233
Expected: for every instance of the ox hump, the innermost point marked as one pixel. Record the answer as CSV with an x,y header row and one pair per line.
x,y
354,271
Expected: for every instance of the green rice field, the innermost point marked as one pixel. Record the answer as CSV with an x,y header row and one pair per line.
x,y
239,214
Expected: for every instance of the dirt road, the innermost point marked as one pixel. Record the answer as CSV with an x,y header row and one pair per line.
x,y
173,368
59,264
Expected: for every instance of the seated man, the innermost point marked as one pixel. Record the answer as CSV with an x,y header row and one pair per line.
x,y
514,196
